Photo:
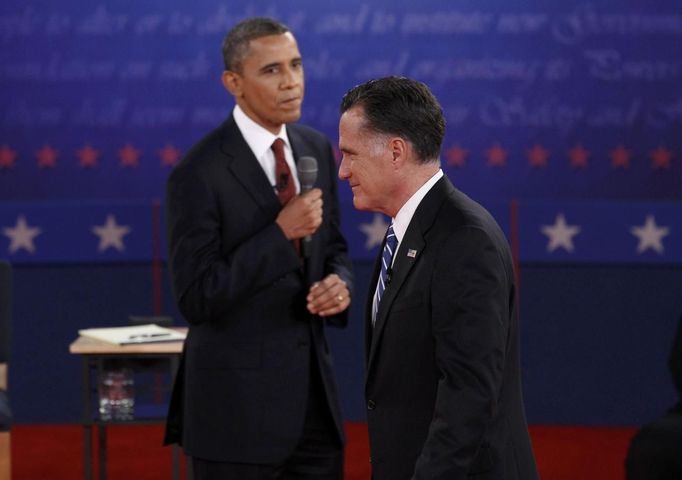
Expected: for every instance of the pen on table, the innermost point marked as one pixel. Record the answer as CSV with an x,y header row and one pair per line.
x,y
148,335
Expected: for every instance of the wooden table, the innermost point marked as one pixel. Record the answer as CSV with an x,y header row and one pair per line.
x,y
94,354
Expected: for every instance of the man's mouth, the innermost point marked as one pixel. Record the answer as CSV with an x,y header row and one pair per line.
x,y
291,101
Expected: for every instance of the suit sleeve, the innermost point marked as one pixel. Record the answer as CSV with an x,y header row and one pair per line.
x,y
336,249
470,323
208,281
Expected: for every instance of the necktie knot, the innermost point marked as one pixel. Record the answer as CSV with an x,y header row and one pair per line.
x,y
391,239
278,147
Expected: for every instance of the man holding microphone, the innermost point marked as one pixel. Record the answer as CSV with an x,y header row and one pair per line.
x,y
258,268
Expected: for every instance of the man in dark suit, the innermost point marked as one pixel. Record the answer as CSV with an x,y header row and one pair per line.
x,y
655,452
255,397
443,384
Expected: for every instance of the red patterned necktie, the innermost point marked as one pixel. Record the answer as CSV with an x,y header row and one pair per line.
x,y
284,184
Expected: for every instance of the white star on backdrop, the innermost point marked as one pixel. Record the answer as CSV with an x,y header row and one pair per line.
x,y
21,236
650,235
375,231
110,234
560,234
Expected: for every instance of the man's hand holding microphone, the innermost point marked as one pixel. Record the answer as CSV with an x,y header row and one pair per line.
x,y
299,219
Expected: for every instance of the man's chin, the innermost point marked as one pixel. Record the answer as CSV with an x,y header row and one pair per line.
x,y
291,117
357,203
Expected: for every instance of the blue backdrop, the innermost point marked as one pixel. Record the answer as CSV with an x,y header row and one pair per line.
x,y
564,118
555,99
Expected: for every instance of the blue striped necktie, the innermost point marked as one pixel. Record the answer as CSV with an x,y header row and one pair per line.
x,y
386,261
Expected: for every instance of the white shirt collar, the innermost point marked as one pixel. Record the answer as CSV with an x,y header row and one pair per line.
x,y
258,138
404,216
260,142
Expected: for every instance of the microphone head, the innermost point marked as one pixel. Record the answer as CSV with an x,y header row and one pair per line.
x,y
307,172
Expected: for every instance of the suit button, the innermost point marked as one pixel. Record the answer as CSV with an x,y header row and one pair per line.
x,y
371,405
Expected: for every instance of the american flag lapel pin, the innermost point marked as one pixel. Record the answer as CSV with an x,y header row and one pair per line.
x,y
411,252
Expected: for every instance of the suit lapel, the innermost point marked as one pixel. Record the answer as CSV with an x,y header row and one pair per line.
x,y
300,148
413,242
402,265
298,144
246,168
370,302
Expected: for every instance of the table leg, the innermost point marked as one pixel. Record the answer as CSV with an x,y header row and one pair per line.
x,y
87,425
87,452
102,452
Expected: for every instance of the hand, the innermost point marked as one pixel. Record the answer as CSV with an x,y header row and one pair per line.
x,y
328,296
302,215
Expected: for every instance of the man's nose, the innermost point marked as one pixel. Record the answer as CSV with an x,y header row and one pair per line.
x,y
344,172
290,78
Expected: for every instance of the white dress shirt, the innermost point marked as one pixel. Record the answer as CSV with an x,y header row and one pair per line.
x,y
404,217
260,141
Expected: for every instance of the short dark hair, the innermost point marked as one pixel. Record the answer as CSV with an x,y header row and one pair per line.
x,y
404,107
236,42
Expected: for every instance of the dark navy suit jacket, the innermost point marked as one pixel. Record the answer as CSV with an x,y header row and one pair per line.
x,y
443,380
241,392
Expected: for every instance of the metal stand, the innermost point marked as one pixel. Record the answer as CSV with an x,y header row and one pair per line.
x,y
94,362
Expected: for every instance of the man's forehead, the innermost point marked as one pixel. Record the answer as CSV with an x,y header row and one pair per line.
x,y
257,59
278,44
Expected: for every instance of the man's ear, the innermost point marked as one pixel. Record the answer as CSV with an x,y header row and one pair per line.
x,y
399,150
232,83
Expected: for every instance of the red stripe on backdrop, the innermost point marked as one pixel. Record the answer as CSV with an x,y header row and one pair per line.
x,y
56,452
589,453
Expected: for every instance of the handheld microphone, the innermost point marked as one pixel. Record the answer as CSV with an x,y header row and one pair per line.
x,y
307,174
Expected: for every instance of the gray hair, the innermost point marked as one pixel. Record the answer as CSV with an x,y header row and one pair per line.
x,y
236,42
404,107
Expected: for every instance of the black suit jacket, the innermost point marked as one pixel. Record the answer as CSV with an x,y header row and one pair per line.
x,y
443,383
241,392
